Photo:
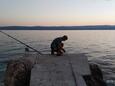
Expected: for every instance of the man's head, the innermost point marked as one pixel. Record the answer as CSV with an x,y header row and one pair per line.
x,y
64,37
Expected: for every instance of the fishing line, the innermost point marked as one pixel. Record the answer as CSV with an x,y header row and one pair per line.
x,y
21,42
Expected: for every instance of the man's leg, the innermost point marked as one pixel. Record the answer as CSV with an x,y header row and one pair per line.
x,y
59,53
52,51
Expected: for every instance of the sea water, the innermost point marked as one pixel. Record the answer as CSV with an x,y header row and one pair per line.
x,y
97,45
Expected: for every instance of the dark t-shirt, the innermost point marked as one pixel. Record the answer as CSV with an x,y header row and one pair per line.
x,y
56,42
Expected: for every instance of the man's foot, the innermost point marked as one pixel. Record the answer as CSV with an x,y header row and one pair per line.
x,y
52,53
58,54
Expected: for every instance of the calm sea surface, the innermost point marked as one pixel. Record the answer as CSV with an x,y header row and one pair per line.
x,y
98,45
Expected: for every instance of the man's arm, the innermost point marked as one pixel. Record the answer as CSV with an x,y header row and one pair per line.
x,y
63,50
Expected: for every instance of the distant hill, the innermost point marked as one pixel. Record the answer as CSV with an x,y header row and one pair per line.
x,y
98,27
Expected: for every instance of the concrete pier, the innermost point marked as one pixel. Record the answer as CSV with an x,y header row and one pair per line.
x,y
66,70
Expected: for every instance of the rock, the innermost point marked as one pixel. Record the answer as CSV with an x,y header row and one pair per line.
x,y
96,77
18,73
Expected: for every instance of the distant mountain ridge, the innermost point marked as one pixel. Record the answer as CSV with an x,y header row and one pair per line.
x,y
98,27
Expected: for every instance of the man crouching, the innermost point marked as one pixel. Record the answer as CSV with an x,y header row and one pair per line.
x,y
57,45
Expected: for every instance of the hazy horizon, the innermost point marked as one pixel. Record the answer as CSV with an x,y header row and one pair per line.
x,y
57,12
56,25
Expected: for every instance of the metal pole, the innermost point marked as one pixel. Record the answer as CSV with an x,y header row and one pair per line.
x,y
21,42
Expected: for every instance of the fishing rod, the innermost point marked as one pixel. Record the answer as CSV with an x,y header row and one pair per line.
x,y
21,42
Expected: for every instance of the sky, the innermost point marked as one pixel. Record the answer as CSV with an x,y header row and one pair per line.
x,y
57,12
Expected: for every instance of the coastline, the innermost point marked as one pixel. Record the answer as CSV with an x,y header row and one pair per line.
x,y
97,27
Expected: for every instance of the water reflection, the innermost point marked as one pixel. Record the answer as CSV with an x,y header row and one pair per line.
x,y
98,45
